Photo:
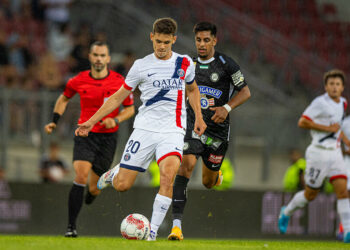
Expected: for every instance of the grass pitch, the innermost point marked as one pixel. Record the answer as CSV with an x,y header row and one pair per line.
x,y
95,243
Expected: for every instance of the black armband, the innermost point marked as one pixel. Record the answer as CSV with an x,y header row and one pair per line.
x,y
55,117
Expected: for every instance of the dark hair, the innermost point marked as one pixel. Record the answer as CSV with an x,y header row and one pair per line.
x,y
205,26
165,25
99,43
334,73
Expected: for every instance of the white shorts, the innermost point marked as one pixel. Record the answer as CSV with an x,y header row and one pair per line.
x,y
323,163
347,167
143,145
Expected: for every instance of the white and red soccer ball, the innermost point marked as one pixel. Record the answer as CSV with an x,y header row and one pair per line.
x,y
135,227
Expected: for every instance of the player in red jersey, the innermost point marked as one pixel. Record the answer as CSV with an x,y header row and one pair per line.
x,y
93,154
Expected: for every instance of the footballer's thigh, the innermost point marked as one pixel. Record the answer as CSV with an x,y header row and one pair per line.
x,y
209,176
125,179
212,160
318,162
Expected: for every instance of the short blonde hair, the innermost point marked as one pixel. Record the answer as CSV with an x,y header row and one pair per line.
x,y
334,73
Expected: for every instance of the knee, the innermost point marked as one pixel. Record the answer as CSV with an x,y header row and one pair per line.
x,y
122,186
81,178
208,183
186,171
310,196
343,194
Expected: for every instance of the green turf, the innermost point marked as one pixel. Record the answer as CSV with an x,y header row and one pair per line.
x,y
97,243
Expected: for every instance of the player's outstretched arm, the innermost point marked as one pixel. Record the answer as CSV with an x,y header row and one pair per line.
x,y
111,104
194,99
60,107
221,112
124,115
308,124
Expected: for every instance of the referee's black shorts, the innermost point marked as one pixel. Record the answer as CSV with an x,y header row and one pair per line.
x,y
97,148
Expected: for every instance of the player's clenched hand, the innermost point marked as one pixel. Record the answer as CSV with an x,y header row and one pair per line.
x,y
334,127
108,123
220,114
50,127
83,129
199,126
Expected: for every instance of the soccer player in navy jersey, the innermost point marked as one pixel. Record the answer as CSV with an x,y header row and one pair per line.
x,y
94,154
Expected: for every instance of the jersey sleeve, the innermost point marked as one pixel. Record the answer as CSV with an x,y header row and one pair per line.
x,y
313,110
69,90
133,78
129,100
191,72
237,76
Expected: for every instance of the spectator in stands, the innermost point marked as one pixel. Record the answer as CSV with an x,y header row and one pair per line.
x,y
48,72
61,42
57,11
20,55
80,52
128,60
4,53
52,167
294,177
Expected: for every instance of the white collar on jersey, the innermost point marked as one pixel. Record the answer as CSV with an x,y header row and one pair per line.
x,y
206,61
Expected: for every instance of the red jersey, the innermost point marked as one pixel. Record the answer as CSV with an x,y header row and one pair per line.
x,y
93,93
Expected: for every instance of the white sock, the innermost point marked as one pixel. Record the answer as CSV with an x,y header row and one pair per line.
x,y
160,208
115,171
297,202
343,209
177,223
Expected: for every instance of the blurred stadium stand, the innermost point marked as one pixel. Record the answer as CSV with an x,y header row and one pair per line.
x,y
283,47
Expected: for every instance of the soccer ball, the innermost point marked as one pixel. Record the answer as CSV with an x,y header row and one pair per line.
x,y
135,227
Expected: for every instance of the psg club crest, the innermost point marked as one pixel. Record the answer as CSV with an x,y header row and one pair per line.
x,y
180,72
127,157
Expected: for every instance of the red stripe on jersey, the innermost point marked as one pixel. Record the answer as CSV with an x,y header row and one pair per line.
x,y
338,176
168,154
306,117
184,65
179,108
127,87
345,103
